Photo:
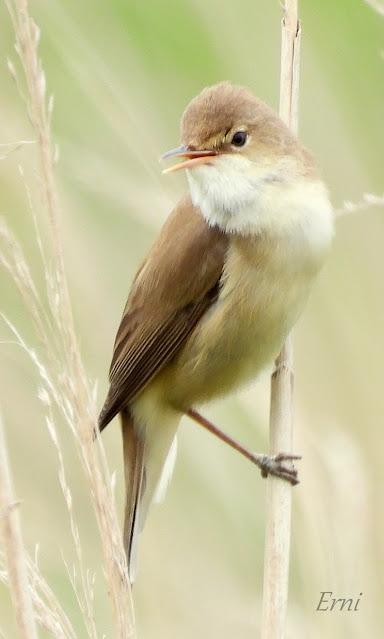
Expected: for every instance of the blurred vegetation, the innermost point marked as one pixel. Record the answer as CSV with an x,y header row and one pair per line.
x,y
121,73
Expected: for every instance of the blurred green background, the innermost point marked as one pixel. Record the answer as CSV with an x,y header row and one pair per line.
x,y
121,73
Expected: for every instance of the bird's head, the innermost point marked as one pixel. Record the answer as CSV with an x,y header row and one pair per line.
x,y
232,145
226,120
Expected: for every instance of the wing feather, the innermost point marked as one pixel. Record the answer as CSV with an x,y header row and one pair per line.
x,y
173,289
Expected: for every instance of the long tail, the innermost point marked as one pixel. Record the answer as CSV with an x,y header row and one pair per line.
x,y
133,454
149,455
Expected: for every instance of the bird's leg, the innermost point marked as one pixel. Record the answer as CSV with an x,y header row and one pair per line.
x,y
269,465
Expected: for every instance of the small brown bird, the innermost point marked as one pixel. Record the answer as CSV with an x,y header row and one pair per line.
x,y
221,287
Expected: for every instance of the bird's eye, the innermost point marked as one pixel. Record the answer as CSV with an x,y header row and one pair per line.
x,y
239,138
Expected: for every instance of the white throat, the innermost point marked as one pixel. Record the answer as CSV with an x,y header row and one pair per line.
x,y
246,198
224,189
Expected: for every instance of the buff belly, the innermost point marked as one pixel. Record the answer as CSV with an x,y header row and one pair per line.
x,y
240,335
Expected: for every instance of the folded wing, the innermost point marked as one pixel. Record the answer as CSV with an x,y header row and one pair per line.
x,y
172,290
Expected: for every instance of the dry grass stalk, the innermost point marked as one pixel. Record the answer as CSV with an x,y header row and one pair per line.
x,y
65,381
14,549
11,147
368,200
377,5
47,609
278,526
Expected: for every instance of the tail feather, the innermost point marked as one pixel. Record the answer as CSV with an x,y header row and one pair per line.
x,y
166,473
149,454
134,470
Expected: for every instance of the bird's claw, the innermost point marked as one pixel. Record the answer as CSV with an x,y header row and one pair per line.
x,y
274,465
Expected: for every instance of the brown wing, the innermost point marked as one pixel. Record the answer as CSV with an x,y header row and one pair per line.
x,y
174,287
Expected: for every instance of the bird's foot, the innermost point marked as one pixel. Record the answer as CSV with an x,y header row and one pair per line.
x,y
274,465
269,465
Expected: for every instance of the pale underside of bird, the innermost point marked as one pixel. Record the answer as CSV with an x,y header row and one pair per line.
x,y
222,285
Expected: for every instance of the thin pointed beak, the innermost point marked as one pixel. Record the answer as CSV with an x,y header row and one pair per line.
x,y
194,158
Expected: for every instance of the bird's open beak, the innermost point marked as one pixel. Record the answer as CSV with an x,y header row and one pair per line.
x,y
194,158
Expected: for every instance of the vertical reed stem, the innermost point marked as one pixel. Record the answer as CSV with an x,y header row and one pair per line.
x,y
278,525
12,543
